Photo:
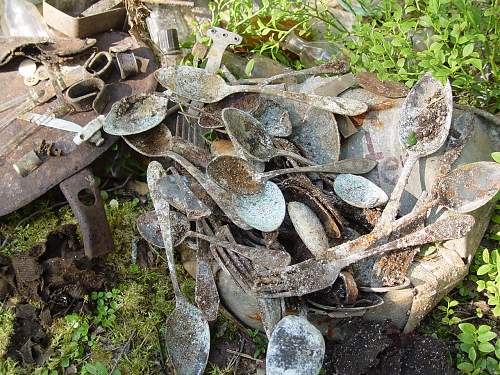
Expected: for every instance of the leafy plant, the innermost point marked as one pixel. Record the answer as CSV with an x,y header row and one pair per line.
x,y
448,310
479,355
260,342
98,369
107,304
68,344
456,39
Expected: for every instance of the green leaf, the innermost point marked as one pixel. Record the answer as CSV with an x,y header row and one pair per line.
x,y
477,63
249,67
91,369
377,49
104,195
467,50
486,256
65,362
472,354
466,338
411,140
467,328
496,156
484,269
486,347
453,303
465,366
483,328
487,336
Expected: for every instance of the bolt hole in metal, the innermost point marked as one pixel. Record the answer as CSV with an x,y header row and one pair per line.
x,y
86,197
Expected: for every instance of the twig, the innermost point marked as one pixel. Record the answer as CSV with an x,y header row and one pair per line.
x,y
127,344
120,186
245,356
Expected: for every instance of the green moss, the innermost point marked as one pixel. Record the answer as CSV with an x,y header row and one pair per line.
x,y
231,327
35,230
6,328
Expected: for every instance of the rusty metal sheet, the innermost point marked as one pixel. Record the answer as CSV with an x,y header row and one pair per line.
x,y
16,191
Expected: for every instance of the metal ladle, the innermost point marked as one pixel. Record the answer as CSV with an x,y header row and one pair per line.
x,y
246,132
148,227
238,176
188,336
197,84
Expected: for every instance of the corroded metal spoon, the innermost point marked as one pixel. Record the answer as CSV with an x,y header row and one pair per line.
x,y
424,127
246,132
188,335
238,176
148,227
197,84
313,275
296,347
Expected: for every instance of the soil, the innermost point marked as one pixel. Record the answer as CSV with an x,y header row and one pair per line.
x,y
54,275
376,348
431,118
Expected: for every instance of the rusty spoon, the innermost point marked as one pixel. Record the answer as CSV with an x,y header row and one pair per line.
x,y
428,105
313,275
148,227
186,324
246,132
238,176
197,84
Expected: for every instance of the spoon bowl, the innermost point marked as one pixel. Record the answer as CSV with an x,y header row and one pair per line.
x,y
136,114
238,176
295,347
265,211
358,191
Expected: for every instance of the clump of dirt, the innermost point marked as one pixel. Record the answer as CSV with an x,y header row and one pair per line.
x,y
429,121
54,275
377,348
29,340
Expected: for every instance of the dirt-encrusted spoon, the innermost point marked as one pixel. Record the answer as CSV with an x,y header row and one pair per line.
x,y
238,176
313,275
337,66
296,347
197,84
359,191
309,227
137,113
219,195
423,129
188,336
264,211
245,131
158,142
148,227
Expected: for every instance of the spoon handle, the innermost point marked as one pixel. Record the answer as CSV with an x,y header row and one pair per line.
x,y
206,294
162,208
391,209
337,66
294,156
446,229
354,166
342,106
270,259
